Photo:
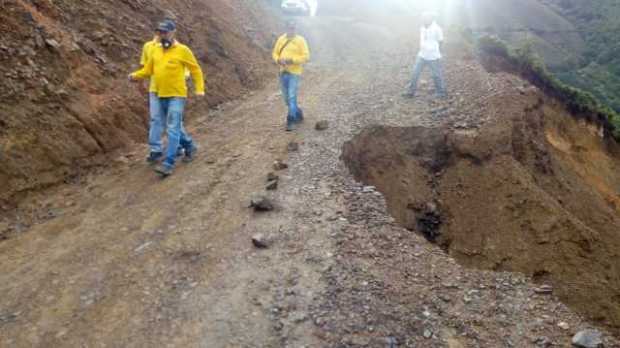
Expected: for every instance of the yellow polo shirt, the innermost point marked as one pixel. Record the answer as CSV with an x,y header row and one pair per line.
x,y
167,69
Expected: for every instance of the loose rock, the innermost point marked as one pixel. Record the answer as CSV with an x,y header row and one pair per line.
x,y
428,334
260,241
52,43
279,165
322,125
272,185
272,177
261,203
564,326
588,339
545,289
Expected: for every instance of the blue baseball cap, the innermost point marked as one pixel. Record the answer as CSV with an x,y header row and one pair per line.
x,y
166,26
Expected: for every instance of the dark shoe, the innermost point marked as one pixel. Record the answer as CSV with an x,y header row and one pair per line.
x,y
189,154
180,151
300,115
154,157
164,170
408,95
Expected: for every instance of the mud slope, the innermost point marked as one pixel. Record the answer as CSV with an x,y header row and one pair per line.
x,y
64,99
534,191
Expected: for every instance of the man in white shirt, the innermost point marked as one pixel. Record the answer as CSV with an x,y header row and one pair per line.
x,y
431,39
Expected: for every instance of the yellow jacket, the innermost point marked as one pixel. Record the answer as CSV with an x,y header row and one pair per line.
x,y
296,49
167,69
147,52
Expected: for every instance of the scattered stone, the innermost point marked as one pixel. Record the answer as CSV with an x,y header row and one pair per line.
x,y
279,165
9,317
588,339
260,241
428,334
272,177
261,203
299,317
445,298
52,43
544,290
142,247
564,326
461,125
542,342
368,189
293,146
322,125
272,185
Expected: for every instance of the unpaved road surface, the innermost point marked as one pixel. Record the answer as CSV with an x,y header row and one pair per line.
x,y
125,259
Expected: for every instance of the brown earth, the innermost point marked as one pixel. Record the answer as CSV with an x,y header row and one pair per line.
x,y
119,257
64,100
534,191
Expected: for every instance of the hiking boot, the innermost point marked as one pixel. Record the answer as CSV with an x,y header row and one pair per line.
x,y
164,170
154,157
189,154
290,127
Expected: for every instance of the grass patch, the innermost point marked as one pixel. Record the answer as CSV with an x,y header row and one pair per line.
x,y
525,62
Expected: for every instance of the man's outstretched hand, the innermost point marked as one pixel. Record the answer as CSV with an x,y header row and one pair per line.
x,y
132,78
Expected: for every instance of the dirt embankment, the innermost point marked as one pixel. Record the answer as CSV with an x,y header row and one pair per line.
x,y
64,99
534,190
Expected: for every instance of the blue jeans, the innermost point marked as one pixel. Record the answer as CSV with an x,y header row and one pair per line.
x,y
436,71
157,122
168,111
290,84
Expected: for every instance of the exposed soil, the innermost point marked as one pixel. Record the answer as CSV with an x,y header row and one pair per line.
x,y
119,257
64,99
533,190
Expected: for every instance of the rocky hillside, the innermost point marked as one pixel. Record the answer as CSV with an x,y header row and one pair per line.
x,y
64,100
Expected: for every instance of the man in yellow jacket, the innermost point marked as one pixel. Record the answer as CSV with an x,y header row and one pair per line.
x,y
157,119
291,53
166,67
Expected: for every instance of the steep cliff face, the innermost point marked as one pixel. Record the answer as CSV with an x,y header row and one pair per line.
x,y
534,191
64,99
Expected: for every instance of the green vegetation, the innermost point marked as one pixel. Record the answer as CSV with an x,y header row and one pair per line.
x,y
529,65
598,70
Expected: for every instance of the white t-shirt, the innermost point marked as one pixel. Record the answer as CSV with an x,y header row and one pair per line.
x,y
429,42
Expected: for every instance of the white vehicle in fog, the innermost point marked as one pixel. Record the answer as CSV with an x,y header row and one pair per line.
x,y
300,7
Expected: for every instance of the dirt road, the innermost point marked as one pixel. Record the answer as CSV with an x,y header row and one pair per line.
x,y
124,259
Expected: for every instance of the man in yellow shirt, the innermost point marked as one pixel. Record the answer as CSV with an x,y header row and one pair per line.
x,y
291,53
166,67
157,119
